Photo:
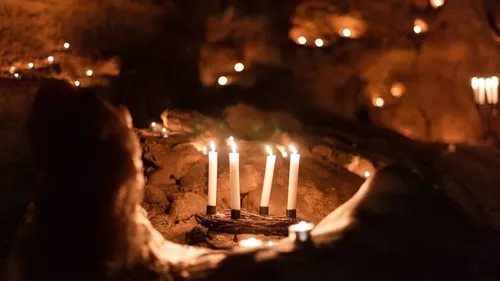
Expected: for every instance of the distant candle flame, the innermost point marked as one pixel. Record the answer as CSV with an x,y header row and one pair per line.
x,y
494,81
153,124
164,130
367,174
77,83
282,150
269,150
212,146
302,40
50,59
31,65
293,149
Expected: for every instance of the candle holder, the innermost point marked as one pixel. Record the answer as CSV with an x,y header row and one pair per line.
x,y
291,213
488,112
248,223
301,233
264,211
211,210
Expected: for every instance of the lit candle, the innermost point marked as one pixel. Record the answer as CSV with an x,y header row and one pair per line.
x,y
66,45
482,95
250,243
301,232
494,84
164,132
50,59
268,182
90,72
212,180
319,42
475,87
31,65
291,209
234,179
239,67
302,40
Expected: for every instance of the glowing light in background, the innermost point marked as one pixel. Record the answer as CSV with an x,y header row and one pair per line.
x,y
282,150
250,243
398,89
50,59
90,72
12,69
379,102
222,80
31,65
319,42
346,32
17,75
437,3
77,83
239,67
302,40
66,45
367,174
420,26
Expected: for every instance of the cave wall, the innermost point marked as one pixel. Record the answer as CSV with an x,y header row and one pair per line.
x,y
348,74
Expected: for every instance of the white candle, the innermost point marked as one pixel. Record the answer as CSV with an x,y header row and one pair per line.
x,y
475,87
234,179
212,179
268,181
482,94
292,181
488,88
494,82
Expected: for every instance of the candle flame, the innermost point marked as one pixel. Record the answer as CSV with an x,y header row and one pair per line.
x,y
269,150
233,147
153,124
474,82
494,81
367,174
293,149
164,130
204,150
212,146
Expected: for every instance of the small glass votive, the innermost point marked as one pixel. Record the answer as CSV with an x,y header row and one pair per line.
x,y
301,232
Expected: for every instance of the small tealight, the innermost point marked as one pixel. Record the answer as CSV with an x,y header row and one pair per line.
x,y
250,243
301,232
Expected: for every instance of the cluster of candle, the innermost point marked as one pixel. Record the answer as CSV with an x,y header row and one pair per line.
x,y
485,90
223,80
234,179
319,42
14,70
